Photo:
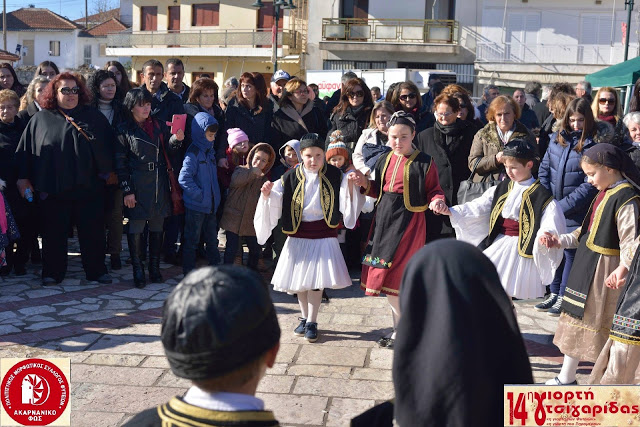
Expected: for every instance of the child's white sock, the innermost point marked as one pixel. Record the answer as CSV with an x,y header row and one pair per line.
x,y
304,304
394,302
315,299
568,372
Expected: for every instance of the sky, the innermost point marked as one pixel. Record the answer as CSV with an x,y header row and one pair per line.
x,y
71,9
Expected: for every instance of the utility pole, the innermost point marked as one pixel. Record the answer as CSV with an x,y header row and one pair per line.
x,y
4,23
626,39
86,14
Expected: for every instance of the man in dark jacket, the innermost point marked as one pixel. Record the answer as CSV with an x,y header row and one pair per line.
x,y
174,76
164,105
532,91
527,116
278,80
490,93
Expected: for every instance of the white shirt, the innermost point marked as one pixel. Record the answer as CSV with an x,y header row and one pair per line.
x,y
222,401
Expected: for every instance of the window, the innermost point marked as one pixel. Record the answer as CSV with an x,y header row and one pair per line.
x,y
205,15
54,48
87,54
103,49
148,18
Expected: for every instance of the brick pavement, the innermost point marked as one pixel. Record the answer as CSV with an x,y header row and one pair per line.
x,y
111,333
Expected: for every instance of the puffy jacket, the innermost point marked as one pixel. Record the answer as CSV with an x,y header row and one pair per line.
x,y
218,114
142,169
560,173
244,193
198,176
351,124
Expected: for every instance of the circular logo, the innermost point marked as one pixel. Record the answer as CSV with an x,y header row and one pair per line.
x,y
35,392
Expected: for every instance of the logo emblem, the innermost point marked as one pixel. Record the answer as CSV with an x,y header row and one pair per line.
x,y
35,392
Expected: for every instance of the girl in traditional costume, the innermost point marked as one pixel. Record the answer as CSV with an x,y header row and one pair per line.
x,y
406,183
606,245
505,221
312,199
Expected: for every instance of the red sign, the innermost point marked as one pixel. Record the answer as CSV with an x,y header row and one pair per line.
x,y
35,392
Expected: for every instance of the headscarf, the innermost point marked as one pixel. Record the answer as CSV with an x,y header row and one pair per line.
x,y
613,157
402,118
458,341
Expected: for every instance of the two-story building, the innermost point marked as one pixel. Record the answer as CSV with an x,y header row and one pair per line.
x,y
218,37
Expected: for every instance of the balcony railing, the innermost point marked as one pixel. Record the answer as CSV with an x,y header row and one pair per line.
x,y
422,31
208,38
551,54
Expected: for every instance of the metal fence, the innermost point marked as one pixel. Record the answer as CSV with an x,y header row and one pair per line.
x,y
438,31
552,54
211,38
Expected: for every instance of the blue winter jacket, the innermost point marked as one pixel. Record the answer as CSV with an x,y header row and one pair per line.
x,y
198,176
560,173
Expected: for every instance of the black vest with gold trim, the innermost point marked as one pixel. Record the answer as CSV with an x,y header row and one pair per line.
x,y
413,179
603,238
293,181
534,200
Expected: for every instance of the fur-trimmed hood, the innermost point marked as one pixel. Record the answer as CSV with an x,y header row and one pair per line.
x,y
489,133
263,147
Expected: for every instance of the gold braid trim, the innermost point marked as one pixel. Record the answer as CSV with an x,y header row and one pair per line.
x,y
297,202
384,172
623,340
572,301
327,197
205,414
405,182
598,216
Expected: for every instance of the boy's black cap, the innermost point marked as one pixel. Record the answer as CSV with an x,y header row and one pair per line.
x,y
217,320
311,140
520,149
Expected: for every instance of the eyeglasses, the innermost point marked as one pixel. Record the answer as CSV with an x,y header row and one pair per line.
x,y
409,96
358,94
443,115
302,91
609,101
70,90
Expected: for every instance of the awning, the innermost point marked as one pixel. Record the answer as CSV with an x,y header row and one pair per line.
x,y
623,74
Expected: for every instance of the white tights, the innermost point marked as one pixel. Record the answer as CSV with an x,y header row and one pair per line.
x,y
310,304
394,302
568,372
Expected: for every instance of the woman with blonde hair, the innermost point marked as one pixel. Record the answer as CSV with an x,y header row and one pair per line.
x,y
606,107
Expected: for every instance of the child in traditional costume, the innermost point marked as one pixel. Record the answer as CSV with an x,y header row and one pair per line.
x,y
406,183
312,199
606,245
506,220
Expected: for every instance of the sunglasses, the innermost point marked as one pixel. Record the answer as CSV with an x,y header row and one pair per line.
x,y
609,101
409,96
70,90
358,94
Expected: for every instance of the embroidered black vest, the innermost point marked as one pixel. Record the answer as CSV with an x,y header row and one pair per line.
x,y
603,238
534,200
413,179
293,182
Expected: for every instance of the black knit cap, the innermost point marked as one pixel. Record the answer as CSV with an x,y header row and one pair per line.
x,y
217,320
311,140
520,149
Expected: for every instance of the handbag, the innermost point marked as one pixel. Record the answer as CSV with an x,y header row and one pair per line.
x,y
177,204
470,190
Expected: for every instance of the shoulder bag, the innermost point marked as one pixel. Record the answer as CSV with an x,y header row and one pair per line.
x,y
470,190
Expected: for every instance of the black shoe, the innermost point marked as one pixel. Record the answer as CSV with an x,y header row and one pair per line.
x,y
385,342
135,242
325,297
155,248
36,255
19,270
300,330
557,381
311,332
547,303
49,281
555,310
116,263
105,279
5,271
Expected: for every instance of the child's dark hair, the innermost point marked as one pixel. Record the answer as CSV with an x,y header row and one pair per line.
x,y
580,106
134,97
520,160
212,128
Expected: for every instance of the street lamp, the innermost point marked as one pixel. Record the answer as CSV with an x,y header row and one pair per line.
x,y
277,6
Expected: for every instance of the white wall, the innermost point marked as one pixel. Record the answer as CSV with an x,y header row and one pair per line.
x,y
402,9
68,52
318,9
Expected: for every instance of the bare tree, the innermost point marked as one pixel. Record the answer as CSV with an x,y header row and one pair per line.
x,y
99,11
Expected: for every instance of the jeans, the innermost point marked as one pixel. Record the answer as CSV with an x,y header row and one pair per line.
x,y
197,223
233,240
562,273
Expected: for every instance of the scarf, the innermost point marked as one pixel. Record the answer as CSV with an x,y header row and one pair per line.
x,y
609,119
450,130
355,111
475,349
293,114
147,126
504,137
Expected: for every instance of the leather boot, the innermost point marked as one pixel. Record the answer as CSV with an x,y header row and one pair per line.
x,y
135,243
155,248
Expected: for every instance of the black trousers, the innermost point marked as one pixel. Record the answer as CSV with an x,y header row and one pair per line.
x,y
57,215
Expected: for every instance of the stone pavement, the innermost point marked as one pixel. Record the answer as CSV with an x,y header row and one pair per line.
x,y
111,334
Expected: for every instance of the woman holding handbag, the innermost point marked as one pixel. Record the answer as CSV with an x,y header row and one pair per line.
x,y
142,165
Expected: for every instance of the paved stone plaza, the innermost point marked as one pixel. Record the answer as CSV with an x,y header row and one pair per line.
x,y
111,334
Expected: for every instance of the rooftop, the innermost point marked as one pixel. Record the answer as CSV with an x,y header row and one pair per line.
x,y
38,19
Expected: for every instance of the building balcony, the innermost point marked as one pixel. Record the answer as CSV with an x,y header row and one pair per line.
x,y
579,54
228,43
390,35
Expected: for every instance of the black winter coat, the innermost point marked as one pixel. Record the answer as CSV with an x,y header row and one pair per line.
x,y
58,159
221,136
350,124
10,134
142,169
26,114
450,154
285,128
256,124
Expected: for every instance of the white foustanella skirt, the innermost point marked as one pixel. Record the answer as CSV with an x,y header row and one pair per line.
x,y
307,264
